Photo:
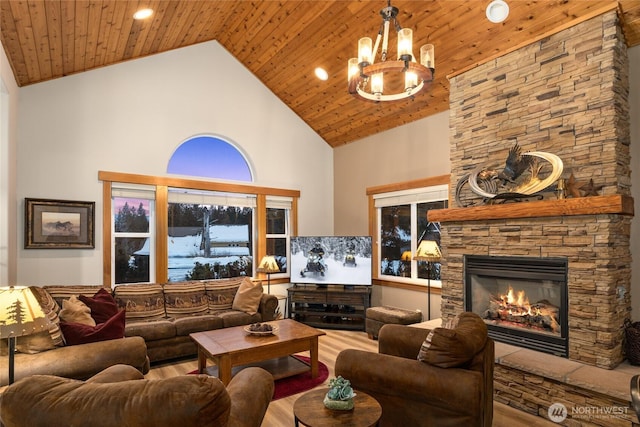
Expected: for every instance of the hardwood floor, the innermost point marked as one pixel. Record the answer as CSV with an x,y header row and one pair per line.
x,y
280,413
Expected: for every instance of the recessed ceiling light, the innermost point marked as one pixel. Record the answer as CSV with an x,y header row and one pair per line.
x,y
321,73
143,14
497,11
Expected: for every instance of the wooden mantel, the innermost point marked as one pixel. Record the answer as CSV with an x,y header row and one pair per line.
x,y
597,205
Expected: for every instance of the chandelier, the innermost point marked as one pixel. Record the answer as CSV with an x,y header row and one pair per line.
x,y
366,77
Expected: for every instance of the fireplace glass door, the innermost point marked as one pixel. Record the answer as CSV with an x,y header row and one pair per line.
x,y
522,300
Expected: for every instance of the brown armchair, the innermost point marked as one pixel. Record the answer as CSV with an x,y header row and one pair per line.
x,y
120,396
451,386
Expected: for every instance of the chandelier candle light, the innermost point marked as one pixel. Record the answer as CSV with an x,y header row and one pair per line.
x,y
364,72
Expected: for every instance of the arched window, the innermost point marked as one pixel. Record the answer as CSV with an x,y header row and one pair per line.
x,y
210,157
167,229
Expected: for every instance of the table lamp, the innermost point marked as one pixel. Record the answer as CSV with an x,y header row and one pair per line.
x,y
268,265
406,257
428,251
20,315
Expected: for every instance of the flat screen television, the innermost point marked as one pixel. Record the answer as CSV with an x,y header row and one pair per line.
x,y
331,260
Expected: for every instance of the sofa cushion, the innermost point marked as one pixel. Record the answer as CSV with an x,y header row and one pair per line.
x,y
150,330
75,311
191,324
448,348
78,333
248,297
103,306
187,400
142,301
50,308
185,299
236,318
220,292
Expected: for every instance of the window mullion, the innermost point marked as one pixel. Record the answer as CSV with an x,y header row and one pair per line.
x,y
161,258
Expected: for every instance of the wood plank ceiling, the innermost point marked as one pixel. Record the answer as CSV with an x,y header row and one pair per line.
x,y
281,42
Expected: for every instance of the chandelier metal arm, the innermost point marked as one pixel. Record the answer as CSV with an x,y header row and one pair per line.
x,y
357,82
425,74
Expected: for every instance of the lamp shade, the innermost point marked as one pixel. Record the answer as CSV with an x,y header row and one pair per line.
x,y
20,312
406,256
268,264
428,250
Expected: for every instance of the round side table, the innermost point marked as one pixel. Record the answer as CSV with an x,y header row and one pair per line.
x,y
310,411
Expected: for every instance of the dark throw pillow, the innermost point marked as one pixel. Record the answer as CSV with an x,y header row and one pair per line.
x,y
449,348
103,306
77,333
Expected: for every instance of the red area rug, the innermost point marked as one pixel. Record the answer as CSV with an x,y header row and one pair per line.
x,y
286,387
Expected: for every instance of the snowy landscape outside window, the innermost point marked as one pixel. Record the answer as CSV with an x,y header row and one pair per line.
x,y
162,234
209,238
277,233
133,251
402,225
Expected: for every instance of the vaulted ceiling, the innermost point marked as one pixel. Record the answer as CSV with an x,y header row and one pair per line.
x,y
281,43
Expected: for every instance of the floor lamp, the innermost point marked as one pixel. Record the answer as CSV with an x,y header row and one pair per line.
x,y
428,251
20,315
268,265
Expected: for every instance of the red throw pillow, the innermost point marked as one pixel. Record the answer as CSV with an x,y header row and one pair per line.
x,y
77,333
103,306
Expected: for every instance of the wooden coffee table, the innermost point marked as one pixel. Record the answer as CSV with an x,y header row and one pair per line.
x,y
310,411
229,347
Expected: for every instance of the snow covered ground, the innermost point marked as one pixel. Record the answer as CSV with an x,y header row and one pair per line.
x,y
185,251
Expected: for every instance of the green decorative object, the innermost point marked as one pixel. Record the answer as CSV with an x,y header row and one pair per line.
x,y
340,395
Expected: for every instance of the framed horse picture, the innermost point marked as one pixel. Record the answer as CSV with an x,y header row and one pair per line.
x,y
58,224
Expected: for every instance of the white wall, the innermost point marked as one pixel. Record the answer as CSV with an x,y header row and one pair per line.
x,y
634,98
130,117
416,150
8,143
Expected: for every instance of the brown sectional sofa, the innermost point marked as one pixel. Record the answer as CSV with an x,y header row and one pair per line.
x,y
165,315
120,396
159,319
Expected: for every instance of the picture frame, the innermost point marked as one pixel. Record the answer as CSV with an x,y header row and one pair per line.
x,y
59,224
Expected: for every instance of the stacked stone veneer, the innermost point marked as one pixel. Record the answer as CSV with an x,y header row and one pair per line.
x,y
566,94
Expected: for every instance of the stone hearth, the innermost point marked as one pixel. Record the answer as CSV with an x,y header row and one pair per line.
x,y
531,381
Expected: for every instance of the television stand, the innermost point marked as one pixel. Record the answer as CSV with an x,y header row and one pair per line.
x,y
330,307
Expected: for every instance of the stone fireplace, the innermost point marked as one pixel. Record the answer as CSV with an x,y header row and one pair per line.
x,y
565,94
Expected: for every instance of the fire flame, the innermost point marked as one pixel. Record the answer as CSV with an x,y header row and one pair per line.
x,y
518,303
514,308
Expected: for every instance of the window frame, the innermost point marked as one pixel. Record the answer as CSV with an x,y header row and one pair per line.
x,y
374,230
286,235
162,185
150,234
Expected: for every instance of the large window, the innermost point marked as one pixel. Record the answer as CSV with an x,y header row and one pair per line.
x,y
169,229
400,214
210,235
